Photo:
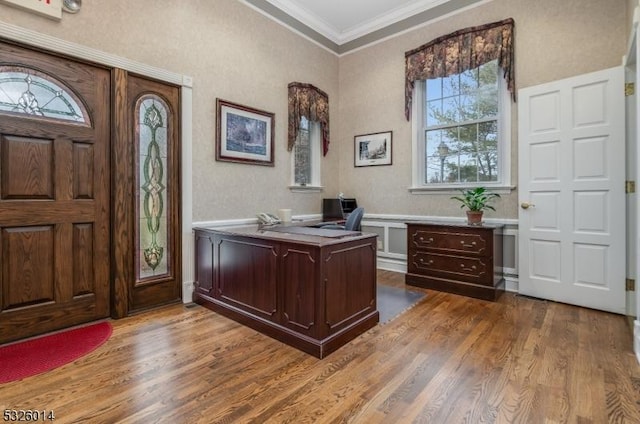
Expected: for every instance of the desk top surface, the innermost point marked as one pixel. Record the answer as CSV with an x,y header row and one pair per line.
x,y
290,232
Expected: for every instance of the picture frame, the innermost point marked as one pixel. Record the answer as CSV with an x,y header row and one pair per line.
x,y
244,134
373,149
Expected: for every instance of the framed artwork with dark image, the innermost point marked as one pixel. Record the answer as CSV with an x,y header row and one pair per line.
x,y
373,149
244,134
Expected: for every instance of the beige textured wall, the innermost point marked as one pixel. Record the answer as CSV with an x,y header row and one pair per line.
x,y
631,5
554,40
232,52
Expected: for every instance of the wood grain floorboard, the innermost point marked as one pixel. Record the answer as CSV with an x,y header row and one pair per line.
x,y
449,359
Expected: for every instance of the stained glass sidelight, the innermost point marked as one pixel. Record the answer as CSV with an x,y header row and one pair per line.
x,y
30,92
152,133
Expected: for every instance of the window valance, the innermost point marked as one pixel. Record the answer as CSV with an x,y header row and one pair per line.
x,y
312,103
460,51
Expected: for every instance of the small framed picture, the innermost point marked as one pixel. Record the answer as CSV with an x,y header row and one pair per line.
x,y
373,149
244,134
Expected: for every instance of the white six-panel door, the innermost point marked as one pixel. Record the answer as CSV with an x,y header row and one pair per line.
x,y
571,190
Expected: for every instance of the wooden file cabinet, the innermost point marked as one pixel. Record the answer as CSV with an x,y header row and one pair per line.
x,y
460,259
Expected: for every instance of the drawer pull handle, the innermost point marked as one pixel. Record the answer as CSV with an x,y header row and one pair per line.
x,y
473,244
473,268
429,240
429,262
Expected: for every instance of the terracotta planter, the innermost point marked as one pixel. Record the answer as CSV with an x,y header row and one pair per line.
x,y
474,217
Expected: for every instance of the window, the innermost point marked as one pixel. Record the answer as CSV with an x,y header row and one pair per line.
x,y
306,155
461,130
30,92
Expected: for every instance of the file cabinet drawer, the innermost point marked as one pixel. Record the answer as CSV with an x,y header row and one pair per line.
x,y
456,258
462,242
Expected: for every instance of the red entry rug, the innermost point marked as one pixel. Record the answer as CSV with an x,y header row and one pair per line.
x,y
35,356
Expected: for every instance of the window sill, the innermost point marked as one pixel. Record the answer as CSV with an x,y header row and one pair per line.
x,y
456,189
305,189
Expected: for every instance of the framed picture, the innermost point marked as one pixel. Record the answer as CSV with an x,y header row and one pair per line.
x,y
244,134
373,149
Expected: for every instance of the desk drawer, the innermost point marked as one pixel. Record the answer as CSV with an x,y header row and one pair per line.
x,y
469,269
463,242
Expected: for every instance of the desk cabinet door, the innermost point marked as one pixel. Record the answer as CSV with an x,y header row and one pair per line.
x,y
300,272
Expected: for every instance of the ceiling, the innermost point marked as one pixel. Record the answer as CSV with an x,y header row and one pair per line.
x,y
343,25
345,20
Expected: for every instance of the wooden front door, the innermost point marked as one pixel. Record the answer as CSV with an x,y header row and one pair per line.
x,y
54,192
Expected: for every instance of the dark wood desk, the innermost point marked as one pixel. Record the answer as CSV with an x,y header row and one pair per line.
x,y
313,289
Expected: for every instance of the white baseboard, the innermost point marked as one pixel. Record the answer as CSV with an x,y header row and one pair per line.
x,y
187,291
388,264
636,339
511,284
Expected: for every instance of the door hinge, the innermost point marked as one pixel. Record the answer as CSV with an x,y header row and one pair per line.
x,y
629,186
630,284
629,89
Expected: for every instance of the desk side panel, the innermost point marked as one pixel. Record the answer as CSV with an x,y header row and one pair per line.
x,y
349,283
204,263
247,274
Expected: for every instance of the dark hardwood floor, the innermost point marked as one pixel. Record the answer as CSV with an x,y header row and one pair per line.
x,y
449,359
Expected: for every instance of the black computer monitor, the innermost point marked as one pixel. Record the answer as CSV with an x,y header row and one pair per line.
x,y
332,210
337,209
348,205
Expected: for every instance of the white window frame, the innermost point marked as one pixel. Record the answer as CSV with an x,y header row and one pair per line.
x,y
315,140
418,130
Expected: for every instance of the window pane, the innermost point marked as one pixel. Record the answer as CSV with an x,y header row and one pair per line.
x,y
487,101
450,110
468,138
469,81
440,155
302,159
488,156
434,112
434,88
468,107
468,169
488,74
433,138
432,174
450,85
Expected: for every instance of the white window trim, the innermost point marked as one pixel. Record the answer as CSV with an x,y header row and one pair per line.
x,y
503,186
316,184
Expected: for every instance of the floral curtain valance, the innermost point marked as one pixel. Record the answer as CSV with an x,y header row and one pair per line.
x,y
312,103
460,51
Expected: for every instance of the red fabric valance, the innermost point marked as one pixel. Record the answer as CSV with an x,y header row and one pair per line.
x,y
460,51
312,103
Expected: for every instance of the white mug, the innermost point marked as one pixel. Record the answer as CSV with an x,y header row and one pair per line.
x,y
284,215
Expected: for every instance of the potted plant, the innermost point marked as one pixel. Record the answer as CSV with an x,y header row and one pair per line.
x,y
476,200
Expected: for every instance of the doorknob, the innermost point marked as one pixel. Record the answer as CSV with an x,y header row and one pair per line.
x,y
526,205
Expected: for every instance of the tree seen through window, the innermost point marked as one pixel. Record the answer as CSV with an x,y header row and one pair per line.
x,y
461,127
